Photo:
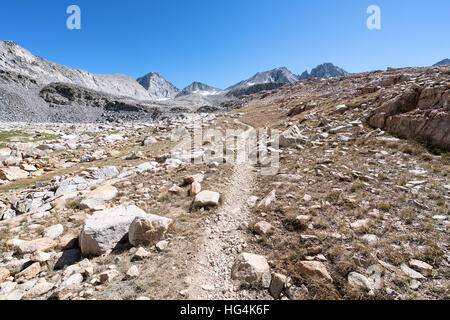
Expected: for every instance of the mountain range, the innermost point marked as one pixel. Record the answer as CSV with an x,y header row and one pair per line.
x,y
35,89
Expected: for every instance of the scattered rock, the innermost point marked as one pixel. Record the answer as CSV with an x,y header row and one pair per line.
x,y
132,273
277,285
96,199
13,173
360,224
162,245
39,256
263,228
42,244
148,141
207,198
358,280
28,273
252,270
421,266
194,178
411,273
148,229
141,254
291,137
196,188
4,274
40,288
268,199
314,269
54,232
108,276
68,286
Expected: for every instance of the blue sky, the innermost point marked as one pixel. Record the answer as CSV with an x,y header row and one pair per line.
x,y
222,42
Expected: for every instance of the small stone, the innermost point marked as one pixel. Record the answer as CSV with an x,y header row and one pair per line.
x,y
359,281
96,199
252,201
314,269
360,224
28,273
176,189
196,188
252,270
4,274
13,173
54,232
277,285
40,256
132,273
194,178
42,244
207,198
307,198
68,286
411,273
304,219
148,141
414,284
370,238
263,228
162,245
141,254
268,199
108,276
421,266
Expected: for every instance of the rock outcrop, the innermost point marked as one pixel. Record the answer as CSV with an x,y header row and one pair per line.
x,y
419,113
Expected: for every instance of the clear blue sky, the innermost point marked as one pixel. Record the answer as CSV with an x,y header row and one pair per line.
x,y
221,42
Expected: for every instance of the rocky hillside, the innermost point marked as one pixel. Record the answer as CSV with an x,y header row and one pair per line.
x,y
16,59
157,86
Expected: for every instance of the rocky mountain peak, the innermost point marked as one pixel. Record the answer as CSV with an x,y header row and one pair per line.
x,y
442,63
325,70
198,88
277,75
157,86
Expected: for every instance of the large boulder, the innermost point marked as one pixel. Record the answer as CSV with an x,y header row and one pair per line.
x,y
292,137
148,230
103,230
251,269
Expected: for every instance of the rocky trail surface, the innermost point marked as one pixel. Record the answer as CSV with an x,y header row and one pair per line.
x,y
224,238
